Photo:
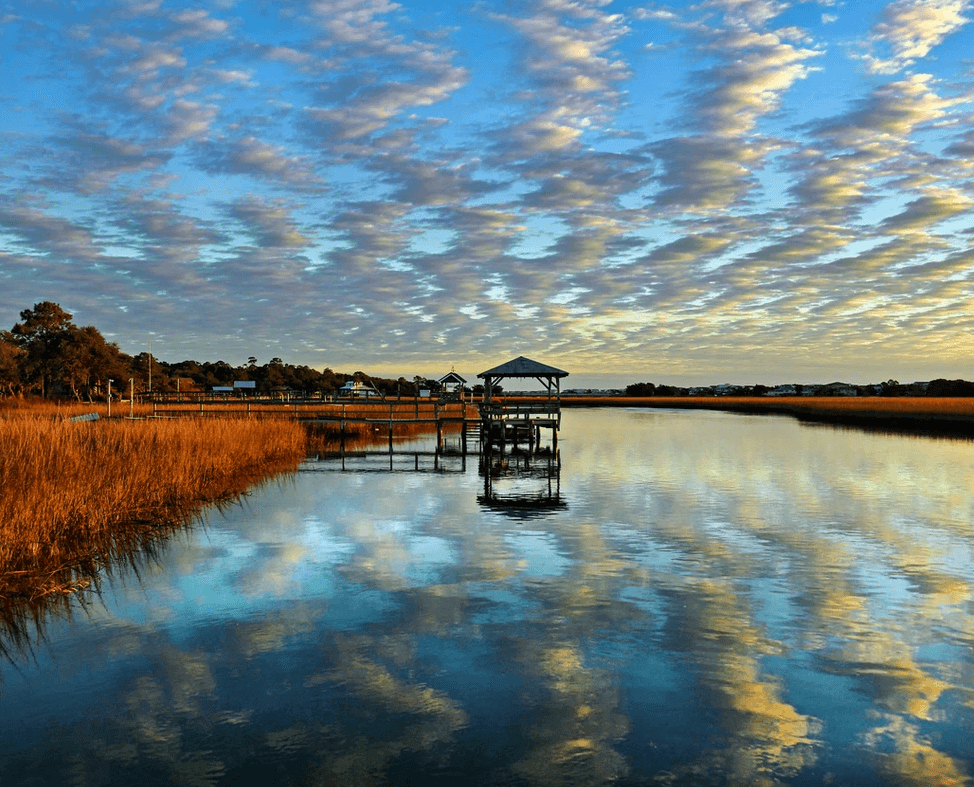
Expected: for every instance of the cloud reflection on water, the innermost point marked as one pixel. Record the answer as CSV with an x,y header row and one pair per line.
x,y
723,599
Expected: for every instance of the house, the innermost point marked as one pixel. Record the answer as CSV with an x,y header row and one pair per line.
x,y
357,389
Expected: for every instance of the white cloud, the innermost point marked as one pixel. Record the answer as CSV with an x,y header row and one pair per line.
x,y
911,29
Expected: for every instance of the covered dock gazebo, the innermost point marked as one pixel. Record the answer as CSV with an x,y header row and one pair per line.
x,y
503,422
524,368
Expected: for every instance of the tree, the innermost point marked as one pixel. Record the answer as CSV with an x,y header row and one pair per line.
x,y
9,363
641,389
40,336
88,362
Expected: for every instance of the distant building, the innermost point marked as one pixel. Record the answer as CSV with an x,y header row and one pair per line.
x,y
451,385
838,389
357,389
783,390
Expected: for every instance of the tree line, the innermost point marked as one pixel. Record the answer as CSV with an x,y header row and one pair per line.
x,y
938,387
46,354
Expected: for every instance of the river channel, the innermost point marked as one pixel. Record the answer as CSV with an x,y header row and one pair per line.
x,y
674,597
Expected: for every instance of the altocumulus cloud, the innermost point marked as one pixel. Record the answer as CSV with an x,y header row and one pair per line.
x,y
740,189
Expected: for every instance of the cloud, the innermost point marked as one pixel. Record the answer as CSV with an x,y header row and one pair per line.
x,y
527,168
712,167
199,24
370,91
251,157
270,224
910,29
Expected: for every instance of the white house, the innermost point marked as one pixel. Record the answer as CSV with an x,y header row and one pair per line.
x,y
356,389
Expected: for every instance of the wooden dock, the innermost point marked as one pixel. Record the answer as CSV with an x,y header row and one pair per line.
x,y
514,424
498,422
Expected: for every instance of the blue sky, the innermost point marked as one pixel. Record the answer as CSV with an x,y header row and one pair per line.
x,y
732,191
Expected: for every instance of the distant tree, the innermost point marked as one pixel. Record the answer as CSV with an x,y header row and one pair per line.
x,y
88,362
892,388
942,387
406,388
9,364
669,390
218,373
641,389
40,335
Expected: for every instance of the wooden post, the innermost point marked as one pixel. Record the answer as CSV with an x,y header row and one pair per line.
x,y
439,435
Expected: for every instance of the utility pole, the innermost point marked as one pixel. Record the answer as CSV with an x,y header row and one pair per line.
x,y
109,397
131,397
150,367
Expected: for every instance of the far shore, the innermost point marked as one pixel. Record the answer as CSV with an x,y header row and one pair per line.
x,y
915,413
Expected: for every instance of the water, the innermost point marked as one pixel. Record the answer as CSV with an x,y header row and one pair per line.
x,y
690,598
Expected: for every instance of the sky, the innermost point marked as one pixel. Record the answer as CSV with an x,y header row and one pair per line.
x,y
727,191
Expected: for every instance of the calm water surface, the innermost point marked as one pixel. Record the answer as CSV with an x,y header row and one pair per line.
x,y
690,598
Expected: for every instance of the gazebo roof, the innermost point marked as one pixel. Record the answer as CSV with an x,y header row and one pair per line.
x,y
451,377
523,367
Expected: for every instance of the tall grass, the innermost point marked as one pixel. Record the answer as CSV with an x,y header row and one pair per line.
x,y
75,495
916,407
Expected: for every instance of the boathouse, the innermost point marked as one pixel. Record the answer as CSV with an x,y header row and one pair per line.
x,y
505,421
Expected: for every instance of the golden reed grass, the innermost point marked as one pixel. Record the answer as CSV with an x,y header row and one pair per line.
x,y
74,493
898,407
404,410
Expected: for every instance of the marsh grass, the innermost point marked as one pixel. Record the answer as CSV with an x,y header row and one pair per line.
x,y
77,496
18,407
402,410
866,407
325,437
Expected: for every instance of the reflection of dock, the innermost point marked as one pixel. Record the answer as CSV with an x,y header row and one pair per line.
x,y
440,461
521,483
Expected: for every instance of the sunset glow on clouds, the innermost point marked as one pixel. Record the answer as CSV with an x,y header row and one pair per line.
x,y
730,190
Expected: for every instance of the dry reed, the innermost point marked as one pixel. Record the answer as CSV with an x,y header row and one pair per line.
x,y
74,493
919,407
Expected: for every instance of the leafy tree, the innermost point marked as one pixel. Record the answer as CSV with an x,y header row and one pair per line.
x,y
40,335
88,362
641,389
9,363
943,387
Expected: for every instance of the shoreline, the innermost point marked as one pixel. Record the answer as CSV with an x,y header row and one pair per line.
x,y
930,415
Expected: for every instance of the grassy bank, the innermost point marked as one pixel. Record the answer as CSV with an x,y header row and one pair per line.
x,y
75,495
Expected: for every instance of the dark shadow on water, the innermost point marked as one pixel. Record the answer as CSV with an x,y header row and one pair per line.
x,y
942,429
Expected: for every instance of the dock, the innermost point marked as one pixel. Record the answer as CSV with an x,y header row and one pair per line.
x,y
507,422
494,422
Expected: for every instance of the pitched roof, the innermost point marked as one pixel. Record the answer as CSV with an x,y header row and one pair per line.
x,y
451,377
523,367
